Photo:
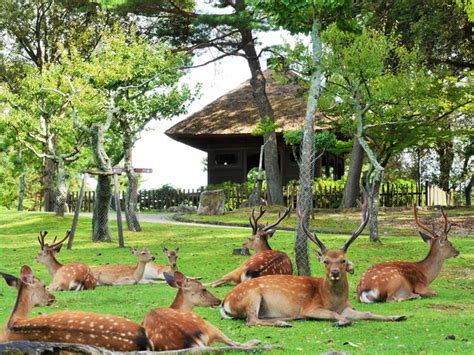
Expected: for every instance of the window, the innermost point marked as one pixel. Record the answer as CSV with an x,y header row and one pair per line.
x,y
225,159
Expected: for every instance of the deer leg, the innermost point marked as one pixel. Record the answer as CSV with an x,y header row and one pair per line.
x,y
353,314
231,277
218,336
425,291
253,312
321,313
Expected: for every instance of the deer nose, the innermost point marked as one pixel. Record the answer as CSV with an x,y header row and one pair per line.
x,y
335,274
51,300
152,258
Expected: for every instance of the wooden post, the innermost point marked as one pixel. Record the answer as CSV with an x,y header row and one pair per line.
x,y
76,212
119,214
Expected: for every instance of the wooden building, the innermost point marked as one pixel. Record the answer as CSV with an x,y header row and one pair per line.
x,y
224,128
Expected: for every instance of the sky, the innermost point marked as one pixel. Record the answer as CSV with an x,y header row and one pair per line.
x,y
173,162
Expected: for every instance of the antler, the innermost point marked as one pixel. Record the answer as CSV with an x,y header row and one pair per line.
x,y
359,230
42,235
446,227
255,220
422,225
312,236
68,233
280,218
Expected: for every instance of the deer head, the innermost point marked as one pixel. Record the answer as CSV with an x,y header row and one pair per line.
x,y
172,256
191,292
37,294
260,235
335,261
439,243
144,255
48,250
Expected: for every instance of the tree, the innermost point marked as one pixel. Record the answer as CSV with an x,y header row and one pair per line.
x,y
34,33
230,34
125,83
307,17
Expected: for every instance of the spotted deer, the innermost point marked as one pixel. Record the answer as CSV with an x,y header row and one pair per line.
x,y
73,276
177,327
102,330
265,261
402,280
273,300
117,274
154,272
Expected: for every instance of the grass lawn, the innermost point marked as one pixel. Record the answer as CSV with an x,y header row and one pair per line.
x,y
206,252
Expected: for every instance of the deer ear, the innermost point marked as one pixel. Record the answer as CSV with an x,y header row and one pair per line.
x,y
11,280
165,249
180,278
319,256
57,248
170,279
270,233
26,274
176,249
426,237
349,267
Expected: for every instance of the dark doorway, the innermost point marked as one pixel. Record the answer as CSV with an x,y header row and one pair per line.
x,y
252,161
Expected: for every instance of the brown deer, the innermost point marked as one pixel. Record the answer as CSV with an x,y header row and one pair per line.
x,y
72,276
177,327
102,330
117,274
154,272
402,280
272,300
265,261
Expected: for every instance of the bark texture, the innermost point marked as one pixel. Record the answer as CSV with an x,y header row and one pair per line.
x,y
306,163
352,188
446,157
61,189
49,174
21,191
131,198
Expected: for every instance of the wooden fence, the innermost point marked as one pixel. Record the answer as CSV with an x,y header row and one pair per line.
x,y
391,195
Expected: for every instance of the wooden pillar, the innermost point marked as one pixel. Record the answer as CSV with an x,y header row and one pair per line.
x,y
76,212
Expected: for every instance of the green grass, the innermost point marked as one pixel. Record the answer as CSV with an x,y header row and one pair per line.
x,y
206,251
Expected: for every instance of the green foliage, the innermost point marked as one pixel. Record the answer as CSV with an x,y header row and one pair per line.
x,y
263,128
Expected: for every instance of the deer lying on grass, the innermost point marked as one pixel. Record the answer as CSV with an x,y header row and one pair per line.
x,y
177,327
272,300
102,330
116,274
154,272
72,276
266,261
402,280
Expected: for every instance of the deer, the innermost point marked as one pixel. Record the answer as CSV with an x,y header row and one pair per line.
x,y
176,327
265,261
102,330
403,280
275,299
117,274
154,272
73,276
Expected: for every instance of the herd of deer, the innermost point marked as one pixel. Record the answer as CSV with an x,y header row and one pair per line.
x,y
266,293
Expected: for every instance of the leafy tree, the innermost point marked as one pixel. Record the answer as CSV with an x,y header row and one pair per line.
x,y
231,34
307,17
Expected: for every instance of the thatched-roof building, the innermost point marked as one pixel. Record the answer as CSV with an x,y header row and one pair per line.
x,y
224,128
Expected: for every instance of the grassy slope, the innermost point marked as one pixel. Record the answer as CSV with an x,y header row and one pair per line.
x,y
206,252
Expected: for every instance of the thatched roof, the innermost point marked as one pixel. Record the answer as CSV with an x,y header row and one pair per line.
x,y
236,113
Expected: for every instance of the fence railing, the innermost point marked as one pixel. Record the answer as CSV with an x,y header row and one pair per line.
x,y
391,195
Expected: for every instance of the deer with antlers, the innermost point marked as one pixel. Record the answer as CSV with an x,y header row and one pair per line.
x,y
177,327
402,280
273,300
117,274
103,330
265,261
154,272
72,276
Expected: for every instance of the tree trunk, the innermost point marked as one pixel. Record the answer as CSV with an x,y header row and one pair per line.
x,y
61,189
352,188
373,208
131,198
468,190
446,157
306,163
272,168
21,191
49,172
100,219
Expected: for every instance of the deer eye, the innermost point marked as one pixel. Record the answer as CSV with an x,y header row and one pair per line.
x,y
343,261
325,261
